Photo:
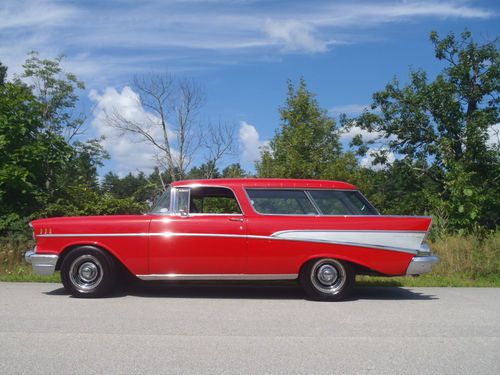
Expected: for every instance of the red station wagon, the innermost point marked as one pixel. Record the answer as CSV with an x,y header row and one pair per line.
x,y
321,233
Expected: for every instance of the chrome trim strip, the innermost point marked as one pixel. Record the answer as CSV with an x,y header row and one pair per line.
x,y
95,235
272,237
238,276
348,230
43,264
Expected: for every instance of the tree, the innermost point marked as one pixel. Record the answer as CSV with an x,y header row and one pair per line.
x,y
172,127
42,172
440,128
218,142
307,141
3,73
27,152
234,171
56,91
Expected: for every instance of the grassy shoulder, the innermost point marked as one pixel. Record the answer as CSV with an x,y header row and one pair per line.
x,y
24,273
465,261
431,280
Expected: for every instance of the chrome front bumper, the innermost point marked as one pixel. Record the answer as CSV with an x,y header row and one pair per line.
x,y
43,264
421,264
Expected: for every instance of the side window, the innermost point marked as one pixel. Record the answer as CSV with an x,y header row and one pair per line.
x,y
280,201
338,202
213,200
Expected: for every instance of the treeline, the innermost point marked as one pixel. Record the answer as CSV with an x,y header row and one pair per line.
x,y
423,147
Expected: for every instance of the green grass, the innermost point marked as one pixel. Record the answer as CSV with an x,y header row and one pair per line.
x,y
23,272
431,280
465,261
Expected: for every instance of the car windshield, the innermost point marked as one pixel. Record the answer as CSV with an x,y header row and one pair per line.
x,y
162,206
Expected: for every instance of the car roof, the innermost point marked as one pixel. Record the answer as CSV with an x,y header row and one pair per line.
x,y
269,183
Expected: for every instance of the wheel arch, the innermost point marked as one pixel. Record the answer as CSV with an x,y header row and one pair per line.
x,y
358,267
74,246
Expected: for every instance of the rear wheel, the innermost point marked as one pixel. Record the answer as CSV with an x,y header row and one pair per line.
x,y
327,279
88,272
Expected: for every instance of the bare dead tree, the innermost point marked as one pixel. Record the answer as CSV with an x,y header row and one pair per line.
x,y
218,141
170,124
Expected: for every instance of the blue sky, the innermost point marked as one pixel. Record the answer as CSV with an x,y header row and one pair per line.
x,y
240,52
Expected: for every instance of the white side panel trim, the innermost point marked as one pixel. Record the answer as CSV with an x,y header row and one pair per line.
x,y
392,239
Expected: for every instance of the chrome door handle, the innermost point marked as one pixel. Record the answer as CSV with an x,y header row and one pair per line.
x,y
239,219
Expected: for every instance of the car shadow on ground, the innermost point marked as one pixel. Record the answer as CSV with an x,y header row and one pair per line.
x,y
267,291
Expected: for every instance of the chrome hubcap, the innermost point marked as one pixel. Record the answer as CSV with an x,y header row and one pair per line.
x,y
86,273
328,276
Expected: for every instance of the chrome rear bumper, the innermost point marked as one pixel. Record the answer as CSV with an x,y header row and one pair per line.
x,y
421,264
43,264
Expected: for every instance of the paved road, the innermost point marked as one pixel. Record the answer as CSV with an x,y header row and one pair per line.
x,y
249,329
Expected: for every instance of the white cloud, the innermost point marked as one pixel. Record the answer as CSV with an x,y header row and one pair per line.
x,y
250,143
294,35
129,153
35,13
368,160
180,31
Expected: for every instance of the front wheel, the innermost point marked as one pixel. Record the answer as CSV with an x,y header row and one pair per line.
x,y
88,272
327,279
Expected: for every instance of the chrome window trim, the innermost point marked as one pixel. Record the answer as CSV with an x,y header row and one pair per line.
x,y
371,205
305,190
214,214
175,201
313,202
191,186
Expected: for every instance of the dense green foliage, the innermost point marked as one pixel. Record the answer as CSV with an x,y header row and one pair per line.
x,y
305,144
439,128
437,131
44,171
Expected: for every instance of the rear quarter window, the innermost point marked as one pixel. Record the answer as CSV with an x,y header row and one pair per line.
x,y
341,202
281,202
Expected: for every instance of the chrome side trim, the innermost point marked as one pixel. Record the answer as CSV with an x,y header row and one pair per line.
x,y
238,276
43,264
348,230
421,264
95,235
272,237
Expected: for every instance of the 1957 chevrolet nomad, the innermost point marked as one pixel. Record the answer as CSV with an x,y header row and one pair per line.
x,y
322,233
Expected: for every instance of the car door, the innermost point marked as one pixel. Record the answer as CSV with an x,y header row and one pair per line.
x,y
204,235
